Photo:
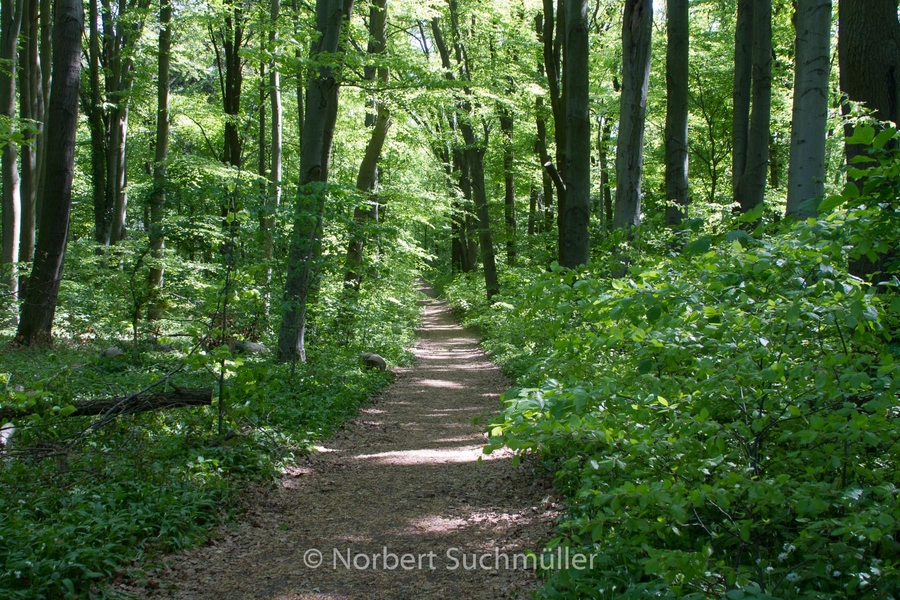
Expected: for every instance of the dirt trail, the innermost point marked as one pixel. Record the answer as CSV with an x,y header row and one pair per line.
x,y
403,481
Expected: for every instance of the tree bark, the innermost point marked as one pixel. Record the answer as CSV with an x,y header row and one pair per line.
x,y
10,25
677,54
743,69
39,306
577,248
636,31
32,108
751,187
315,156
160,180
126,405
806,170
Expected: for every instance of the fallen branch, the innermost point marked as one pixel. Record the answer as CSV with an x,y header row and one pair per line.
x,y
124,405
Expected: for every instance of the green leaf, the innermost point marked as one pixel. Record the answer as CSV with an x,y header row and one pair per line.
x,y
862,134
752,215
884,137
831,202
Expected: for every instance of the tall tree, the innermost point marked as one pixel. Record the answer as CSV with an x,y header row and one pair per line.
x,y
31,100
751,186
743,69
160,179
637,27
806,172
367,178
10,25
273,196
228,42
114,34
551,36
677,56
39,306
509,185
576,249
315,159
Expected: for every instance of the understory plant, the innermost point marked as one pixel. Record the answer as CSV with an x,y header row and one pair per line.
x,y
722,419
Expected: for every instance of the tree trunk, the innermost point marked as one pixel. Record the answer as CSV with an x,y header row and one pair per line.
x,y
509,186
232,41
605,126
160,180
751,188
127,405
577,248
103,205
743,69
273,197
869,53
32,108
636,31
315,156
551,37
43,289
367,179
10,25
475,158
677,111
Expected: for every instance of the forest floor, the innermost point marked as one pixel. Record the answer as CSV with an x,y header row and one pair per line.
x,y
400,486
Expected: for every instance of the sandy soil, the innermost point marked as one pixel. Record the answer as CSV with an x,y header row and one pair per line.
x,y
399,487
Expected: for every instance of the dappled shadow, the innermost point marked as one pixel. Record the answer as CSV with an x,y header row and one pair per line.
x,y
408,479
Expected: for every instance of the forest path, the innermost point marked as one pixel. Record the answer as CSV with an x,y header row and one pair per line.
x,y
402,480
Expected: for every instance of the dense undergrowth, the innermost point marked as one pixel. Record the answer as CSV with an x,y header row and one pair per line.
x,y
85,504
723,419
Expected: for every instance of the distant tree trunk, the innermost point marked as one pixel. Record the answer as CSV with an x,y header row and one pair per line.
x,y
103,205
231,81
160,181
636,31
533,197
743,70
544,159
677,190
367,178
273,198
605,127
315,157
474,154
751,187
43,289
10,24
806,170
45,52
509,186
32,108
552,36
577,247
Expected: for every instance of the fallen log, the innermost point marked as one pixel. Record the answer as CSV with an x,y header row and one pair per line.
x,y
124,404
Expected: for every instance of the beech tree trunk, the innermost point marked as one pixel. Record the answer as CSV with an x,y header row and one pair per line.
x,y
751,187
806,170
103,206
677,190
39,306
636,30
577,248
160,180
552,36
10,25
315,157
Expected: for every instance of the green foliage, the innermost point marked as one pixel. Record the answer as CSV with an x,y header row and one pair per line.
x,y
723,421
